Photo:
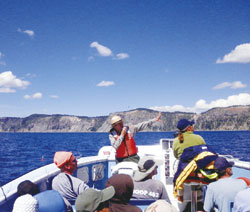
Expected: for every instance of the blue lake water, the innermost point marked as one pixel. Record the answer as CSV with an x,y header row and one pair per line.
x,y
23,152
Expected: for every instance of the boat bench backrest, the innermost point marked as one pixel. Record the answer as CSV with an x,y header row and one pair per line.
x,y
124,168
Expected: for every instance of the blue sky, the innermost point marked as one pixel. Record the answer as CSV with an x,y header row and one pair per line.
x,y
96,57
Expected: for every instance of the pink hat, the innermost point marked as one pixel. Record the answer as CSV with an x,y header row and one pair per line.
x,y
61,158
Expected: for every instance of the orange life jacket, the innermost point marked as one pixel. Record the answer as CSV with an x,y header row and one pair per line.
x,y
127,147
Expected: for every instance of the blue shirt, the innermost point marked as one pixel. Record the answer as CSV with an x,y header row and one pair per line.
x,y
221,193
242,201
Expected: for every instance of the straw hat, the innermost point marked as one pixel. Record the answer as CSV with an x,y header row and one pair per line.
x,y
115,119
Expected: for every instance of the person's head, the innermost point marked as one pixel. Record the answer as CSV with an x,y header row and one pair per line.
x,y
223,167
92,200
116,123
185,125
123,185
26,203
66,161
160,206
27,187
147,168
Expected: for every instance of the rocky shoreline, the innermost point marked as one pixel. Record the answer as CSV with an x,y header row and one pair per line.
x,y
219,119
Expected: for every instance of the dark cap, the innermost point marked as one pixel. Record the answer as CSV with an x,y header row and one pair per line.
x,y
27,187
183,123
221,164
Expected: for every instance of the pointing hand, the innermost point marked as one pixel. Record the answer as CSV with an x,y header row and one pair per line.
x,y
158,117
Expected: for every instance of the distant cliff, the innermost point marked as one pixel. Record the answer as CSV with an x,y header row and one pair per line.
x,y
230,118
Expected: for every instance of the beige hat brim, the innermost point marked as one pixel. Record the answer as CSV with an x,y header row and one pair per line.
x,y
139,175
107,193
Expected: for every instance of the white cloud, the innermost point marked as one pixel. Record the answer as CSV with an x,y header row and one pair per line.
x,y
105,83
121,56
1,55
54,96
233,85
201,105
173,108
7,90
34,96
9,82
28,32
29,75
37,95
241,54
27,96
102,50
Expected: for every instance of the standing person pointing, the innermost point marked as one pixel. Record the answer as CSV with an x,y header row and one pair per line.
x,y
121,138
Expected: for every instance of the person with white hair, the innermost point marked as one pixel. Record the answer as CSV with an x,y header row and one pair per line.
x,y
122,138
160,206
26,203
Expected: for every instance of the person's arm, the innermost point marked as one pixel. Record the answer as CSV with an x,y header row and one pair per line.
x,y
175,150
138,127
117,142
80,186
203,141
208,202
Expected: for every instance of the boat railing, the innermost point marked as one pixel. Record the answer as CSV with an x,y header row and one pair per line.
x,y
237,163
91,170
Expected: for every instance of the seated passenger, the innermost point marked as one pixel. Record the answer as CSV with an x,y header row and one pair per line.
x,y
241,201
160,206
26,203
144,186
123,185
186,137
27,187
93,200
222,192
67,185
